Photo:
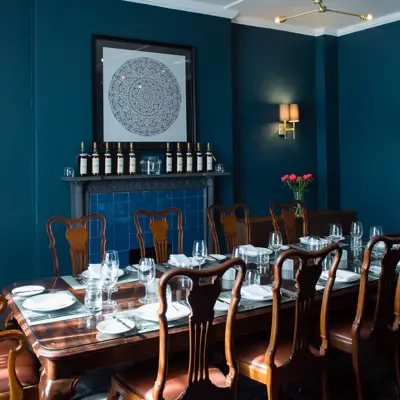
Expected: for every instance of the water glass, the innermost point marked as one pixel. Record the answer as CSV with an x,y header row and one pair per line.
x,y
375,231
109,273
356,232
253,277
69,172
275,242
94,294
219,168
152,292
335,232
146,274
199,252
262,261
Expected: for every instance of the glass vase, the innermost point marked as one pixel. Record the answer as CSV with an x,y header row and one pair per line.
x,y
298,195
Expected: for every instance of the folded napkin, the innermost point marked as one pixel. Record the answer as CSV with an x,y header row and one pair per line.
x,y
181,260
256,292
342,276
375,269
95,270
218,257
304,239
175,311
249,250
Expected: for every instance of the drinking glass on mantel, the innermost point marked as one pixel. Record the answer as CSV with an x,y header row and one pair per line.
x,y
146,274
275,242
200,252
109,273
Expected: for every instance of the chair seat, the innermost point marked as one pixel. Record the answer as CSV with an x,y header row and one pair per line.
x,y
250,354
27,367
340,332
139,380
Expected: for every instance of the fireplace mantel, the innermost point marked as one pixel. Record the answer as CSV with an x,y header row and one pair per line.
x,y
82,187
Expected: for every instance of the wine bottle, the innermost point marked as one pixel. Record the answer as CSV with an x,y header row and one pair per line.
x,y
179,159
199,159
189,160
168,160
120,161
95,160
83,161
209,158
107,161
132,160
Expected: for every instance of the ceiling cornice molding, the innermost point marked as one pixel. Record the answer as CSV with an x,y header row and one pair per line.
x,y
190,6
361,26
264,23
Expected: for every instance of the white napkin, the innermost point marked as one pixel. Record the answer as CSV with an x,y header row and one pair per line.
x,y
304,239
181,259
95,270
175,311
257,292
343,276
218,257
249,250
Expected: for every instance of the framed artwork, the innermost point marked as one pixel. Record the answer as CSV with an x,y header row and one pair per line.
x,y
143,92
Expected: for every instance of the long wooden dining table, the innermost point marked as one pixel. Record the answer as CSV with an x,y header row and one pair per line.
x,y
69,349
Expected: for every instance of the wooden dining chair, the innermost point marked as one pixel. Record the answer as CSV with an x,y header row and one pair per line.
x,y
232,225
194,379
287,217
159,228
375,327
77,235
292,356
19,368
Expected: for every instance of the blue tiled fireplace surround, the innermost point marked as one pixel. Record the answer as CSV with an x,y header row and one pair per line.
x,y
119,208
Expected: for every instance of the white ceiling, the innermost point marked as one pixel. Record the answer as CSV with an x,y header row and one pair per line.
x,y
263,12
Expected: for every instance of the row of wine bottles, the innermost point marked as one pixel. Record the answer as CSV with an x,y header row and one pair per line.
x,y
184,162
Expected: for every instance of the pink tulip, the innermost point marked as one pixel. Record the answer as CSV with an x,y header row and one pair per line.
x,y
292,177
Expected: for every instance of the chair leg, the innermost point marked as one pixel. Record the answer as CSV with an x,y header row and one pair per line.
x,y
113,393
357,374
273,389
397,366
325,383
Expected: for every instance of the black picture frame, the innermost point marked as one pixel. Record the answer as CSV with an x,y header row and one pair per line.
x,y
98,44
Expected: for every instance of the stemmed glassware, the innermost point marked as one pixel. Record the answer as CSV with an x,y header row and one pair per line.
x,y
335,232
200,252
275,242
146,274
356,232
109,274
375,231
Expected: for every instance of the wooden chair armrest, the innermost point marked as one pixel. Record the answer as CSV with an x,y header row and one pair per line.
x,y
3,304
16,390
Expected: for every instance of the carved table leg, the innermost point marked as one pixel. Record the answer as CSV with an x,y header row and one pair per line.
x,y
60,389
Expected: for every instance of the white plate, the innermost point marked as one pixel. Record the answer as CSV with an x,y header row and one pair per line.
x,y
284,248
49,302
86,273
175,311
132,268
111,326
26,291
335,238
222,305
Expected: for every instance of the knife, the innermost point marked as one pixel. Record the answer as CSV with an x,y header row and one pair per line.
x,y
122,322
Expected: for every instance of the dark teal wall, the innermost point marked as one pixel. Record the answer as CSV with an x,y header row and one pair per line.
x,y
57,56
369,87
272,67
17,143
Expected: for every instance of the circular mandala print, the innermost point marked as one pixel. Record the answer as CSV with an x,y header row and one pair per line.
x,y
145,96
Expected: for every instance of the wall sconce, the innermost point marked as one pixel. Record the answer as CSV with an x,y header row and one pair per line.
x,y
288,113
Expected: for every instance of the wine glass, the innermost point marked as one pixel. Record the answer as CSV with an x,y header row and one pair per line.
x,y
109,273
375,231
146,274
335,232
356,232
275,242
199,251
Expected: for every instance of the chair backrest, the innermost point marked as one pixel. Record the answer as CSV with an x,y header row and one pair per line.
x,y
288,216
202,296
77,234
308,273
387,307
231,224
159,229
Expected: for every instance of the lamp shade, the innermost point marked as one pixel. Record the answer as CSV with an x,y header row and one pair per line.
x,y
284,114
294,113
